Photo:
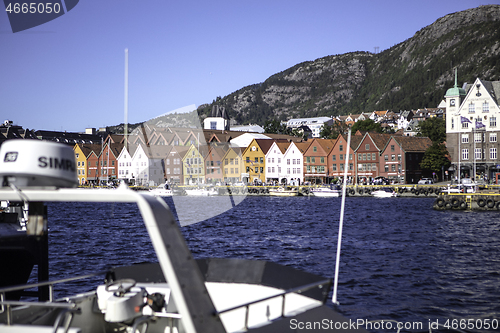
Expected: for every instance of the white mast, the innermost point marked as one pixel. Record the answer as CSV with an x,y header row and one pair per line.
x,y
125,127
341,221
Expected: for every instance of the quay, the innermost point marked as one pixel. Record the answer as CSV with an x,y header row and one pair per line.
x,y
409,190
468,201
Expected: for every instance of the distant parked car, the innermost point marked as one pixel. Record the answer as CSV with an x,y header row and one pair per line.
x,y
424,181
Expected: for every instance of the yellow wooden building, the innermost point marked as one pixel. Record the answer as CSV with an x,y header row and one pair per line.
x,y
232,165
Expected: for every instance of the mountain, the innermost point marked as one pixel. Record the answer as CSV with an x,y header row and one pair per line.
x,y
413,74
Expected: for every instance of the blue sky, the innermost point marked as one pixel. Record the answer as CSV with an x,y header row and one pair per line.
x,y
68,74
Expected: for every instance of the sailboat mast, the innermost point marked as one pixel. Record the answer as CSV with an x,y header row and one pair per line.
x,y
125,126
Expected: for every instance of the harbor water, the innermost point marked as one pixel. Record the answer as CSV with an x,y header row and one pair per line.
x,y
400,259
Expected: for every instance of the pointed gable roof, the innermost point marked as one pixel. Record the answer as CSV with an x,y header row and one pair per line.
x,y
88,149
412,143
303,146
265,144
326,144
283,146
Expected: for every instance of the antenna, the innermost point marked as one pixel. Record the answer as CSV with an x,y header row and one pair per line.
x,y
377,48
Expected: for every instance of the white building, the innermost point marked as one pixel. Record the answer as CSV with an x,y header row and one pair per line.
x,y
218,119
315,124
293,161
124,160
244,140
275,170
472,128
143,165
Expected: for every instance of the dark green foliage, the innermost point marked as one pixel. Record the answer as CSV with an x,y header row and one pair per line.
x,y
434,128
436,158
367,125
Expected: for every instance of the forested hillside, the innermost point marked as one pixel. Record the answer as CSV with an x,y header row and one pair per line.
x,y
413,74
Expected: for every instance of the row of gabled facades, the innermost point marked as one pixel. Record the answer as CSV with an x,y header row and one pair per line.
x,y
186,157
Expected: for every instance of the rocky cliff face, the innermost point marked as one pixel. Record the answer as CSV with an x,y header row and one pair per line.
x,y
410,75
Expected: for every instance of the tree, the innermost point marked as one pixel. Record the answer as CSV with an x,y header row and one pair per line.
x,y
333,131
434,128
367,125
276,127
436,158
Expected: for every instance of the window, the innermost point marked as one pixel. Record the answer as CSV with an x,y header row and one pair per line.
x,y
315,149
465,138
350,157
386,157
393,167
359,157
313,159
486,107
493,121
341,148
493,137
364,156
334,157
373,156
465,154
322,160
256,160
399,157
288,161
351,167
472,108
393,157
367,146
368,156
386,168
308,159
452,123
392,147
465,124
477,154
334,167
341,157
213,125
262,160
493,153
478,137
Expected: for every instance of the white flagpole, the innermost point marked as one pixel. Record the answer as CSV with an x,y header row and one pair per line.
x,y
341,221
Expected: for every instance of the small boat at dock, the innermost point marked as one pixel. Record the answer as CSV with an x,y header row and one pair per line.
x,y
384,193
327,191
283,192
201,192
162,191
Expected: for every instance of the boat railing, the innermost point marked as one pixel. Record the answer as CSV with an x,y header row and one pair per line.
x,y
282,294
6,305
